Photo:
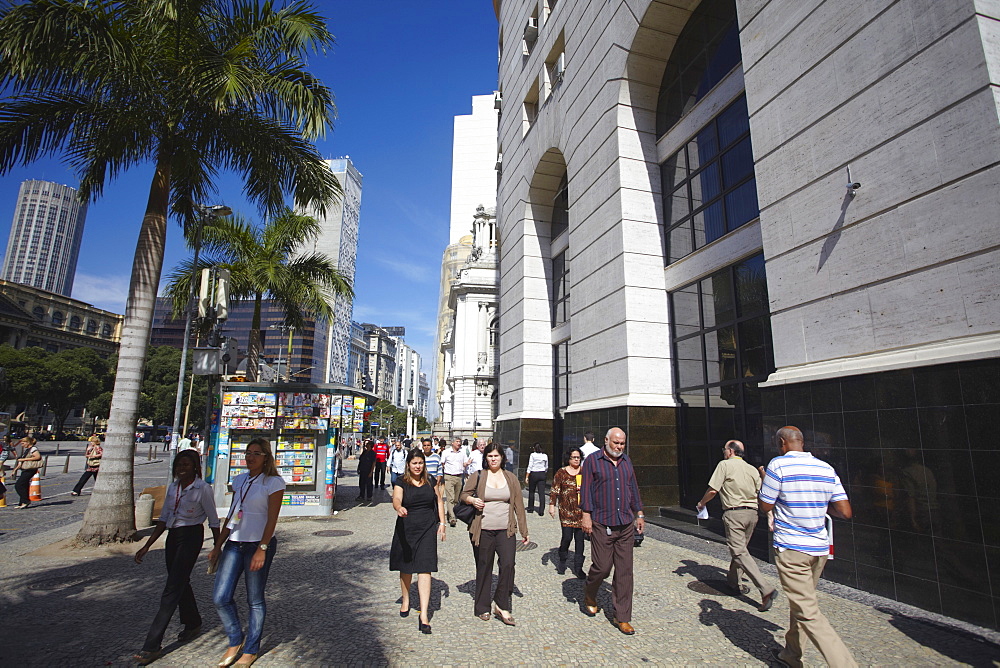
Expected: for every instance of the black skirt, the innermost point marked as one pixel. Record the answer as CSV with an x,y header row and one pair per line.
x,y
414,543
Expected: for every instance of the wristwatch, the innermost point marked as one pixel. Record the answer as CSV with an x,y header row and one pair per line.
x,y
263,546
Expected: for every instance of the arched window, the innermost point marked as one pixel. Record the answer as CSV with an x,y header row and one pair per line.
x,y
106,330
91,326
38,312
75,322
495,333
58,319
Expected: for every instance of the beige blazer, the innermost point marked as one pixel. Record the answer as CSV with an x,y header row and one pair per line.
x,y
517,522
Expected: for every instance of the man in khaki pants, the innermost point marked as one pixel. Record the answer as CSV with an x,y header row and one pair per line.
x,y
801,490
737,484
453,463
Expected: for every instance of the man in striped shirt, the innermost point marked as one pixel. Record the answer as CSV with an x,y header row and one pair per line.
x,y
612,514
802,490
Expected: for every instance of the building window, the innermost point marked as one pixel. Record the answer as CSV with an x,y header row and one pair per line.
x,y
58,319
75,322
38,312
709,187
560,289
106,330
529,110
560,208
721,335
560,376
91,326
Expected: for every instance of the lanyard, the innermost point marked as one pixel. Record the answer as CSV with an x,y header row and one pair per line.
x,y
246,490
179,494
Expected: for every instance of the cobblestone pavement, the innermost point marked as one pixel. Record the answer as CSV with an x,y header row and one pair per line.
x,y
332,601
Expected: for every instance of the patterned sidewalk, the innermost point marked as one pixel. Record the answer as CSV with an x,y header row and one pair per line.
x,y
332,601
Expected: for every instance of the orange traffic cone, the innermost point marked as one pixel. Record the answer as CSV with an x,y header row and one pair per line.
x,y
35,490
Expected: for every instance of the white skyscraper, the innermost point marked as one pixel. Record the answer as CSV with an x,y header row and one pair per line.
x,y
339,241
45,236
473,164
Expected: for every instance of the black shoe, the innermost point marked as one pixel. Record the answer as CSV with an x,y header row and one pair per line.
x,y
776,655
424,628
404,613
580,574
189,633
561,568
360,498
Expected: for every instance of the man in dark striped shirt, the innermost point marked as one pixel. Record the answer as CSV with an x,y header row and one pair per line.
x,y
612,514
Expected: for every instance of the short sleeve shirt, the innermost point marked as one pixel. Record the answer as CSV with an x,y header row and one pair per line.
x,y
736,482
250,495
801,487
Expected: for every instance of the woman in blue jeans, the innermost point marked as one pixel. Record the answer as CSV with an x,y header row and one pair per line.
x,y
246,547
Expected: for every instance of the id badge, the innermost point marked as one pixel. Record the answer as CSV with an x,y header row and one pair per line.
x,y
239,515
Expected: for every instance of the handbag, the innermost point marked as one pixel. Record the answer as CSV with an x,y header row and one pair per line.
x,y
33,465
464,511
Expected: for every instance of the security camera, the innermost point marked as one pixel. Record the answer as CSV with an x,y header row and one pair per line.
x,y
854,186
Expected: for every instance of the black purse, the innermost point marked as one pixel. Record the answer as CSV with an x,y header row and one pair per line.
x,y
464,511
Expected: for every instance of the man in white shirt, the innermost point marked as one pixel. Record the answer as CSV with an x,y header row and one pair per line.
x,y
397,461
588,448
452,466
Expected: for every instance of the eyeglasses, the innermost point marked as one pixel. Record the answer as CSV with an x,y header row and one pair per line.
x,y
574,456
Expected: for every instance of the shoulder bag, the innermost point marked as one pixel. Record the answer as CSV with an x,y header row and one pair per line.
x,y
464,511
33,465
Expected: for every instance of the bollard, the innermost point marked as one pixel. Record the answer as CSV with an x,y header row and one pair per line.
x,y
144,511
149,456
45,466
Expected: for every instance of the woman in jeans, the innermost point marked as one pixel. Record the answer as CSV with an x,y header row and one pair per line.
x,y
566,495
28,464
496,495
189,501
246,547
538,468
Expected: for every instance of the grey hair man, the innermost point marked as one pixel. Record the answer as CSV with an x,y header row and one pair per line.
x,y
737,484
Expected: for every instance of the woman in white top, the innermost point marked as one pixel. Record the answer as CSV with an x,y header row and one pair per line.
x,y
189,501
538,468
248,551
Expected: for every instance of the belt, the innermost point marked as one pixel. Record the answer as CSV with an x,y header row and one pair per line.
x,y
726,510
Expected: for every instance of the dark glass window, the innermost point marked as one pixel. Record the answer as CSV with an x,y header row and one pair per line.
x,y
561,372
721,333
91,326
706,51
38,312
58,318
106,330
560,289
709,185
560,208
75,322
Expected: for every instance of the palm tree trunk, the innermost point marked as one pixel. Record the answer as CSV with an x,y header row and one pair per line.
x,y
110,515
255,345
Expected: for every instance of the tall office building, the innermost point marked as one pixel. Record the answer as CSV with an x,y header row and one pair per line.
x,y
45,236
338,240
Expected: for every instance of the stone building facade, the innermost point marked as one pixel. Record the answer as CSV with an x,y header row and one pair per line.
x,y
720,217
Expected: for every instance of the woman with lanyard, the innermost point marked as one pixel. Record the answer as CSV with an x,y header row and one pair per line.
x,y
189,501
566,495
248,551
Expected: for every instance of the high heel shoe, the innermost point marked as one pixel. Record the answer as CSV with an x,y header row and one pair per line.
x,y
424,628
404,613
504,616
230,660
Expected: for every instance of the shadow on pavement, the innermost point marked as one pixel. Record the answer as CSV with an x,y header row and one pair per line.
x,y
951,642
702,572
439,590
470,588
312,596
751,633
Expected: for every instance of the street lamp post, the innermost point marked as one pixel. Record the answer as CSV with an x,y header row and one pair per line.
x,y
409,418
205,211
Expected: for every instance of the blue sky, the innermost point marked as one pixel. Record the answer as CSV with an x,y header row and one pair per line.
x,y
401,70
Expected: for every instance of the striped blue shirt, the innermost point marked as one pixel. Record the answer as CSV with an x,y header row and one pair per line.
x,y
433,464
801,487
609,493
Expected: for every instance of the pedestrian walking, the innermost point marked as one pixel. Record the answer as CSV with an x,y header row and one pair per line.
x,y
612,514
496,495
247,548
565,495
433,459
737,484
381,458
475,461
93,456
28,464
801,490
453,468
588,448
397,462
189,501
538,469
419,505
366,471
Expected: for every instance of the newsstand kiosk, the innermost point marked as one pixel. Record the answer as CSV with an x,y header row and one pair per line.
x,y
305,424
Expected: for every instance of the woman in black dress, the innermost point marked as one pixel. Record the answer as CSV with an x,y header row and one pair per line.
x,y
417,500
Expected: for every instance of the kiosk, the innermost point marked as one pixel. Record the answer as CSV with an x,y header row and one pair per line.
x,y
306,425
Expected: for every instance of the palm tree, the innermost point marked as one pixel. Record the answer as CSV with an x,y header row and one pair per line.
x,y
189,87
265,263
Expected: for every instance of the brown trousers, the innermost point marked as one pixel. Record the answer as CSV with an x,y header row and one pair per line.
x,y
739,528
799,573
607,552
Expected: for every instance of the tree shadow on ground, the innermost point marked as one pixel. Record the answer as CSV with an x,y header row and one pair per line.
x,y
751,633
306,589
956,644
709,580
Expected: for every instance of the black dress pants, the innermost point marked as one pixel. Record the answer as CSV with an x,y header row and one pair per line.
x,y
494,542
83,480
23,484
380,473
536,482
365,485
571,534
183,547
